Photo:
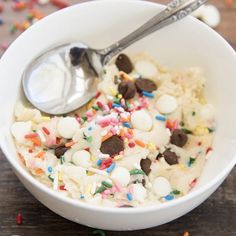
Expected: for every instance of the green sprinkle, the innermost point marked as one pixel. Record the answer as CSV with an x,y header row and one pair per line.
x,y
34,130
96,108
193,113
127,104
99,232
106,184
45,149
116,100
176,192
100,190
89,139
50,177
62,159
187,131
84,119
137,172
181,123
211,130
104,71
191,161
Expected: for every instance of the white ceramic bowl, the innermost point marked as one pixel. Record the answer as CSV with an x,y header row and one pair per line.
x,y
187,43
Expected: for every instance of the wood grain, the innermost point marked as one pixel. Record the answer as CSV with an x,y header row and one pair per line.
x,y
216,216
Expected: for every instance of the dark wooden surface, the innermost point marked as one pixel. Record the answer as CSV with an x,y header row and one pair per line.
x,y
216,216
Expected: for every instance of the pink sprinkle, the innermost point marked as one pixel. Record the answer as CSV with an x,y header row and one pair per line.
x,y
107,192
175,125
78,119
89,114
193,183
144,102
104,122
118,187
104,196
131,189
114,189
122,102
128,135
114,131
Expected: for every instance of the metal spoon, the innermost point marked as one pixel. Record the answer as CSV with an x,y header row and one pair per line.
x,y
78,67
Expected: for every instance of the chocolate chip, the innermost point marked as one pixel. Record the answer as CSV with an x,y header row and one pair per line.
x,y
146,85
179,138
75,55
143,182
123,63
112,146
170,157
127,89
145,165
59,151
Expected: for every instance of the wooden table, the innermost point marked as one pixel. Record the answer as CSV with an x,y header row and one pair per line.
x,y
216,216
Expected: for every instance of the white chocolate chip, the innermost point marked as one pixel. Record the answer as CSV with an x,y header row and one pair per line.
x,y
67,126
146,68
211,16
141,120
139,192
166,104
81,158
161,186
20,129
74,172
121,175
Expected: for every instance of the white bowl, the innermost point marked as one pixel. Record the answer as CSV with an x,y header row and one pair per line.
x,y
186,43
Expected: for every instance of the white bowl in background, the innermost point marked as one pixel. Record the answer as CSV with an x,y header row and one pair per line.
x,y
100,23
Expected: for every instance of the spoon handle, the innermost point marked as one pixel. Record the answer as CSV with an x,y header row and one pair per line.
x,y
175,11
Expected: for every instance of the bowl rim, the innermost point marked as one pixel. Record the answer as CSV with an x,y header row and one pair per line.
x,y
77,203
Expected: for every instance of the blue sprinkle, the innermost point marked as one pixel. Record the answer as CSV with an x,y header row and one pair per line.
x,y
147,94
115,105
161,118
127,125
129,196
90,128
49,169
111,167
99,162
81,196
169,197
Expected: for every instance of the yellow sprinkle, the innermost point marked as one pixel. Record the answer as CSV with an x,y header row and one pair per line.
x,y
182,167
202,101
60,176
46,118
118,157
113,91
126,140
199,130
90,104
125,76
90,173
151,146
93,158
119,96
88,189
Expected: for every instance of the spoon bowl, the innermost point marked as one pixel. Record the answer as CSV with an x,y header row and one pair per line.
x,y
62,79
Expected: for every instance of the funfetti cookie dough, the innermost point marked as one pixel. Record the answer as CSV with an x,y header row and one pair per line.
x,y
142,140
